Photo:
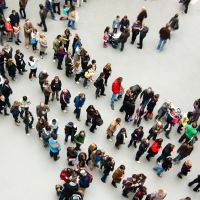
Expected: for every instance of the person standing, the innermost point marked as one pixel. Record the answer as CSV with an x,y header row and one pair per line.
x,y
79,139
43,16
14,18
90,114
183,151
143,32
118,175
43,45
28,27
135,30
190,132
56,87
43,75
155,130
142,15
96,121
120,137
15,110
136,136
48,6
54,147
47,91
146,96
186,4
65,97
42,110
99,84
164,36
11,67
124,23
22,7
185,169
123,38
19,59
6,92
116,88
116,24
57,43
79,102
56,4
196,180
166,152
154,148
107,72
28,121
144,145
33,67
70,130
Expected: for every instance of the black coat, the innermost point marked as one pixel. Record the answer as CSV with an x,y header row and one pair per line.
x,y
167,150
142,15
167,164
6,90
146,96
99,83
120,138
185,169
143,146
14,19
129,107
108,166
69,189
137,135
19,58
151,105
56,86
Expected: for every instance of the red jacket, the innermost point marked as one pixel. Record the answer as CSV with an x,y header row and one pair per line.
x,y
8,27
155,147
116,87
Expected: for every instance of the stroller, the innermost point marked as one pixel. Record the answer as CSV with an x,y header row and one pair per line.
x,y
113,39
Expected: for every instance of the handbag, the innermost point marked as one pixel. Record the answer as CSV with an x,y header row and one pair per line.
x,y
33,41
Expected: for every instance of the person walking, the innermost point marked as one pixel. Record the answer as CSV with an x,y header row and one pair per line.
x,y
135,30
78,103
112,128
43,15
49,8
22,8
186,5
174,22
56,6
185,169
164,36
155,130
118,175
196,180
107,72
99,84
144,145
96,121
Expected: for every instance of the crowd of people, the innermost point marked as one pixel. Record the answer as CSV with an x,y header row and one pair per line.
x,y
77,176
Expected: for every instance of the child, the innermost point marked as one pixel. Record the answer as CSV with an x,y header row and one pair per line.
x,y
34,39
106,36
54,125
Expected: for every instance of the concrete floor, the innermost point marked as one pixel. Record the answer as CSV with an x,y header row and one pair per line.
x,y
27,172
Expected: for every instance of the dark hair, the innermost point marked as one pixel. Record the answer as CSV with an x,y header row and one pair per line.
x,y
54,136
41,6
107,29
6,81
122,167
31,58
24,98
93,61
58,36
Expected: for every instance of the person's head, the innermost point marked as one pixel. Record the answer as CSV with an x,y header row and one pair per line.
x,y
161,193
158,124
8,19
187,198
134,177
54,121
108,66
188,163
159,140
14,12
107,29
123,130
172,146
156,96
42,104
101,75
119,80
127,30
194,124
125,17
143,8
82,133
46,82
146,141
149,89
31,58
54,136
140,128
42,35
82,95
167,25
25,98
93,62
41,6
118,120
16,104
83,172
56,78
59,37
18,51
122,167
6,82
67,32
176,15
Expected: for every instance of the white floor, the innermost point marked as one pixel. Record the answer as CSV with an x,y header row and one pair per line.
x,y
26,170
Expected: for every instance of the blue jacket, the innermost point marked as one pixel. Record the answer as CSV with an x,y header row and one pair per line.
x,y
53,145
84,182
78,102
48,5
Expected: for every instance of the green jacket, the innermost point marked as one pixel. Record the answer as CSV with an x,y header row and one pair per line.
x,y
190,132
79,139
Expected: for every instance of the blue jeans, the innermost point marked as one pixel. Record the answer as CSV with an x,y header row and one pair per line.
x,y
159,169
71,24
114,96
178,158
161,44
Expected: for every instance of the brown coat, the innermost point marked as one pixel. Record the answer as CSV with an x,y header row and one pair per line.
x,y
118,175
28,27
112,128
22,3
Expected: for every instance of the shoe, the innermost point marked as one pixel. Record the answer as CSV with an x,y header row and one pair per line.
x,y
114,185
64,111
125,195
179,176
167,136
139,47
24,70
159,175
6,114
196,190
110,140
103,181
86,124
78,119
103,94
60,68
19,41
39,25
16,43
138,162
91,131
28,134
77,82
112,107
54,60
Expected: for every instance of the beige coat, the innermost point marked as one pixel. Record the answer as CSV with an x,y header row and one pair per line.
x,y
72,15
28,27
112,128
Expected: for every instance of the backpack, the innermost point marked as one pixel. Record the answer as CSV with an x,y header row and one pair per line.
x,y
90,177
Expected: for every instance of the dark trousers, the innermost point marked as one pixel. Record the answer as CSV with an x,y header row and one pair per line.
x,y
184,137
161,157
59,66
78,112
100,90
104,177
77,77
43,23
106,79
134,142
54,155
27,127
196,180
186,8
67,135
152,135
93,127
34,46
63,106
122,46
7,101
179,129
168,126
32,73
56,6
22,12
138,155
77,146
126,191
2,70
141,41
134,35
150,155
46,101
